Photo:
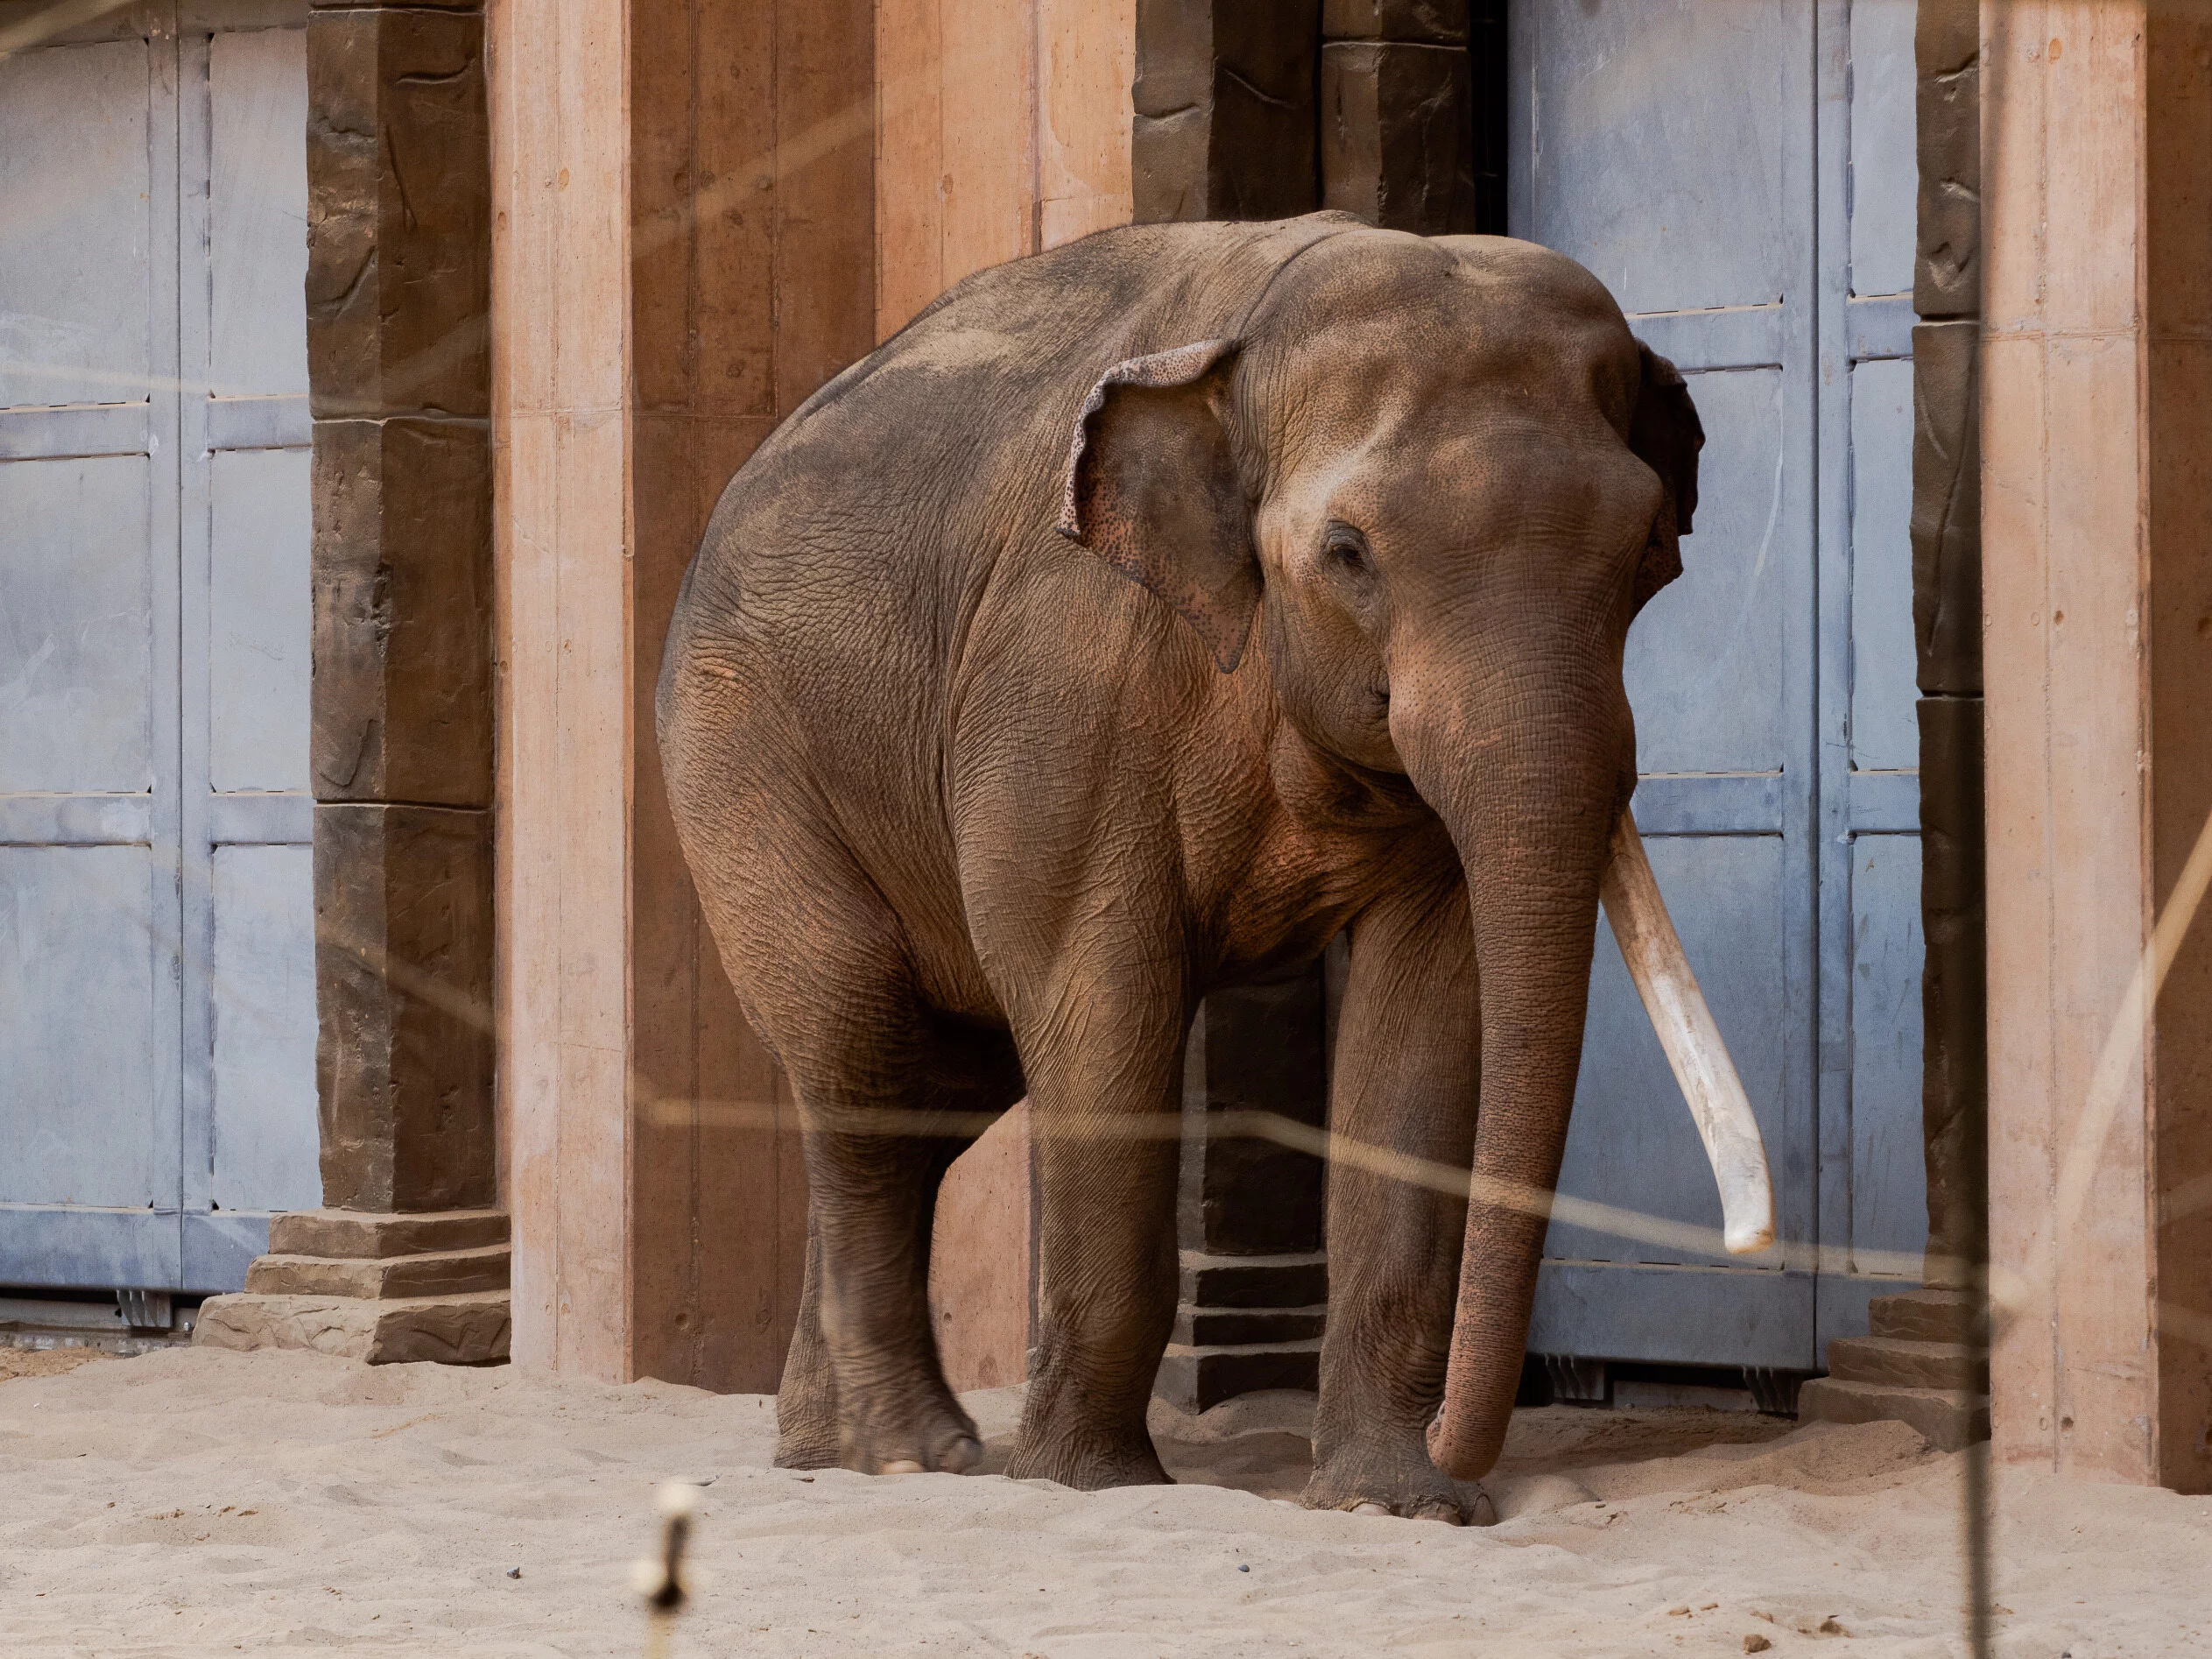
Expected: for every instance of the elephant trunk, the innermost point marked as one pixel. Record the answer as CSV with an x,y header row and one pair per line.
x,y
1530,792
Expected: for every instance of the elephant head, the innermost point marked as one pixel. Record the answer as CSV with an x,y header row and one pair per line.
x,y
1433,481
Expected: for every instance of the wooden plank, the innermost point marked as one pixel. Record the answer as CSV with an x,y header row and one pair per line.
x,y
561,141
910,180
990,127
1087,52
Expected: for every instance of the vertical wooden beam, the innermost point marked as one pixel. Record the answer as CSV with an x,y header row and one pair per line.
x,y
561,416
2097,582
686,252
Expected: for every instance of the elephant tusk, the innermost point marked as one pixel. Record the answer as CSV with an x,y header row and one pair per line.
x,y
1653,952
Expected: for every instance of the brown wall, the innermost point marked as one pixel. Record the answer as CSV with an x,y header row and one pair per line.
x,y
2096,393
752,244
687,198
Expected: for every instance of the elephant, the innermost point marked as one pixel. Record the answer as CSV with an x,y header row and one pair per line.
x,y
1144,614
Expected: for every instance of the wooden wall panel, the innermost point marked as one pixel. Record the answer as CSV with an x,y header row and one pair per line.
x,y
684,252
1003,130
2097,582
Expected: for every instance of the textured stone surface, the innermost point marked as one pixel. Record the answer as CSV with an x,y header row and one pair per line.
x,y
434,1274
398,217
1397,135
1223,95
1440,22
1947,274
1260,1049
1953,989
353,1233
402,705
1199,1378
1948,1421
398,220
1256,1281
1905,1363
1922,1315
1219,1327
1947,507
402,990
455,1330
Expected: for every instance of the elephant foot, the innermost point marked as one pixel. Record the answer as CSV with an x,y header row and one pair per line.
x,y
1383,1484
909,1437
1087,1465
806,1426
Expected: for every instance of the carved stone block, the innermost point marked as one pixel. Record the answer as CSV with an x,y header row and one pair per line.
x,y
1397,135
403,994
398,218
1947,279
402,701
1439,22
1947,507
1224,109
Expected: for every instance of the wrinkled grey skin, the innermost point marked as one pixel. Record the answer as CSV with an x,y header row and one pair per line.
x,y
974,813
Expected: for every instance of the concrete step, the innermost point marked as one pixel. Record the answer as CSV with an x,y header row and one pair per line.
x,y
1922,1315
364,1233
467,1330
1255,1281
1947,1420
1243,1327
434,1274
1895,1362
1195,1379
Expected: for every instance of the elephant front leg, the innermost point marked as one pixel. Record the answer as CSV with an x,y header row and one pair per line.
x,y
1107,1122
1406,1076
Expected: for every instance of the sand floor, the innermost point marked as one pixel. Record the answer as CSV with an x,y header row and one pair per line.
x,y
201,1502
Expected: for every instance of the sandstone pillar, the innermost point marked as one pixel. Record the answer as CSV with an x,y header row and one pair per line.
x,y
409,1259
1398,129
2096,401
1224,101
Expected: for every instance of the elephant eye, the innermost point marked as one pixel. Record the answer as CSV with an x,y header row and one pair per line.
x,y
1344,545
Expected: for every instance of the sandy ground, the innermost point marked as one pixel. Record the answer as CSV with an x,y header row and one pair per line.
x,y
198,1502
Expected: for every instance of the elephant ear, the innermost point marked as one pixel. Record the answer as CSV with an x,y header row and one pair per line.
x,y
1666,435
1152,487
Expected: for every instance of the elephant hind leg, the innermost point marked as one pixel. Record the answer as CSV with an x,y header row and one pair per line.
x,y
863,1387
807,1398
887,1095
888,1098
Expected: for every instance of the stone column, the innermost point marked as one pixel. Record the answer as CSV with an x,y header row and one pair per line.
x,y
1397,127
1255,1281
409,1257
2096,404
1224,99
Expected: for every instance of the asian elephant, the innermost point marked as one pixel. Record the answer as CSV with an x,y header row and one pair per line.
x,y
1141,615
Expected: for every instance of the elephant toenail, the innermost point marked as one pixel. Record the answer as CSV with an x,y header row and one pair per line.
x,y
902,1466
965,1452
1370,1509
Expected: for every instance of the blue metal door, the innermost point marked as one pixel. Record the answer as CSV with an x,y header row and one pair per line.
x,y
1740,174
156,1005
